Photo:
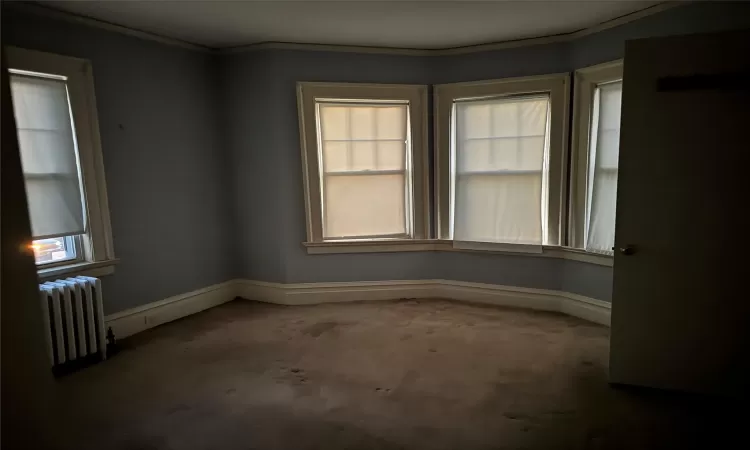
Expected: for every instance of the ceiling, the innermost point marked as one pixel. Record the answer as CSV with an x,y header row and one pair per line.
x,y
404,24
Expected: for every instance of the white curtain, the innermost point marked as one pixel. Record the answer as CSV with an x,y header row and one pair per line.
x,y
602,186
48,156
364,169
500,152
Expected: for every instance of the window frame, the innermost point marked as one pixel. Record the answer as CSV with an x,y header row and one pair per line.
x,y
558,88
96,243
416,96
586,81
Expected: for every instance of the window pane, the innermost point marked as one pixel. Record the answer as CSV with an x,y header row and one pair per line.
x,y
334,121
52,250
601,235
391,155
473,155
369,140
363,122
364,205
607,144
475,121
48,155
602,190
500,147
485,202
363,155
391,122
336,156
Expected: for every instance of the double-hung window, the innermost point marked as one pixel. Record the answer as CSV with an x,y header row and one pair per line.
x,y
598,96
58,140
500,159
364,156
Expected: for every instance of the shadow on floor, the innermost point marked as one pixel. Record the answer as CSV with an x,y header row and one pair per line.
x,y
386,375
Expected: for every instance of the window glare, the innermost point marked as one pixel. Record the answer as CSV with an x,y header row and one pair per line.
x,y
55,249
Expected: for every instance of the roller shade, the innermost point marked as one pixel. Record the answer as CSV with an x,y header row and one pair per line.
x,y
500,147
48,155
605,144
364,169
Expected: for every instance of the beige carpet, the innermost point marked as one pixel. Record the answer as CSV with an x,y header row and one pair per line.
x,y
382,375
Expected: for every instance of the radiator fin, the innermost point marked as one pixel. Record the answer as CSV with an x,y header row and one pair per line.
x,y
74,317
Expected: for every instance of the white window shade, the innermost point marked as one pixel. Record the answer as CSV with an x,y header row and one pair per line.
x,y
48,156
500,169
365,169
604,148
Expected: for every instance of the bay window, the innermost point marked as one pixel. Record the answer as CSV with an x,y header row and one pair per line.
x,y
504,180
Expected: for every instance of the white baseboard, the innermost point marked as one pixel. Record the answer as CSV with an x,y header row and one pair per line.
x,y
586,308
131,321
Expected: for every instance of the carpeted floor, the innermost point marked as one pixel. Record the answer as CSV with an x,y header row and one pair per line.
x,y
416,375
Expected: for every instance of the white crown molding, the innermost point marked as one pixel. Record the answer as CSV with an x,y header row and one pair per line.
x,y
476,48
491,46
45,11
324,48
627,18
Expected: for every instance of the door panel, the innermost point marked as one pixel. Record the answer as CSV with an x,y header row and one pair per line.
x,y
680,307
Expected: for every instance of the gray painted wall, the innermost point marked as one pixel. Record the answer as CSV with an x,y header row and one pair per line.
x,y
275,251
280,162
163,158
203,162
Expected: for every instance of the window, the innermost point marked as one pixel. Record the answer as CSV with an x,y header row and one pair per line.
x,y
50,164
500,155
598,94
363,153
499,150
58,140
55,250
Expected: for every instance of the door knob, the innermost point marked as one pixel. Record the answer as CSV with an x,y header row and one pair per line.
x,y
627,250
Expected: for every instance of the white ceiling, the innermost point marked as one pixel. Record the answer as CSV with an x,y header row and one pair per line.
x,y
406,24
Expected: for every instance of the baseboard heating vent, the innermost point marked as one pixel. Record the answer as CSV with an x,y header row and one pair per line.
x,y
74,317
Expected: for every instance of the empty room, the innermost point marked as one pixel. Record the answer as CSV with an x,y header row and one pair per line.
x,y
373,224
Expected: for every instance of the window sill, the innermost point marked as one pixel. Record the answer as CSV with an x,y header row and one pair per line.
x,y
426,245
91,269
537,251
577,254
375,246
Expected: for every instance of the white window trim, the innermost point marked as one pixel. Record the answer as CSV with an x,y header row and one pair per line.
x,y
416,95
586,81
558,86
97,242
